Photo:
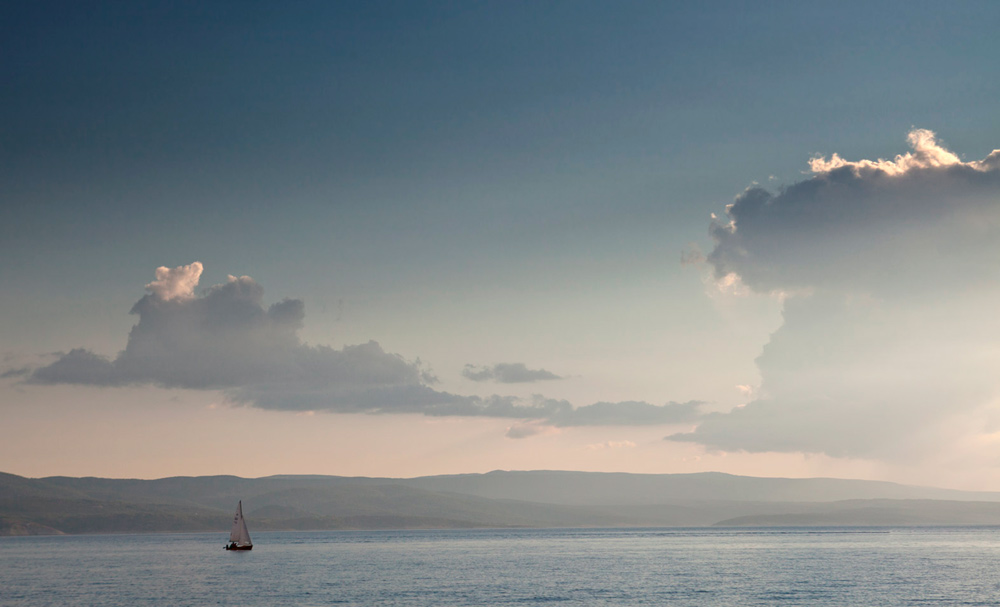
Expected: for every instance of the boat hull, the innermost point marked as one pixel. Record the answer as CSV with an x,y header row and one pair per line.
x,y
239,537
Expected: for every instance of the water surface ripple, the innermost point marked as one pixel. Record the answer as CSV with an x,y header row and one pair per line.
x,y
622,567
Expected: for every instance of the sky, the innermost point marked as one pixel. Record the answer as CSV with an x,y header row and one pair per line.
x,y
412,238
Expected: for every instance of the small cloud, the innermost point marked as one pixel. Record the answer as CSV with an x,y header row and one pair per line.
x,y
627,413
692,256
529,429
508,373
78,366
20,372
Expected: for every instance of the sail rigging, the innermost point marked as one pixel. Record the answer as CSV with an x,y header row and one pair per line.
x,y
239,536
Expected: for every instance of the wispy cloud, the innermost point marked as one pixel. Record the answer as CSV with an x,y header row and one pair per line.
x,y
508,373
18,372
612,444
529,429
561,414
626,413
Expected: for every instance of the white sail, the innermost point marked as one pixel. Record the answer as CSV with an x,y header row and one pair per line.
x,y
239,535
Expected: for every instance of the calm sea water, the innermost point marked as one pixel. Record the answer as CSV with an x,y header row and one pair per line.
x,y
738,567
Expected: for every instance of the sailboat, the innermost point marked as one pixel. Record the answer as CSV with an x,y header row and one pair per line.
x,y
239,537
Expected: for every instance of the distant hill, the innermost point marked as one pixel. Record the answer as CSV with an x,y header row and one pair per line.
x,y
598,488
874,513
496,499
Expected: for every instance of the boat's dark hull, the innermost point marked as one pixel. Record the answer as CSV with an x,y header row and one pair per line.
x,y
239,547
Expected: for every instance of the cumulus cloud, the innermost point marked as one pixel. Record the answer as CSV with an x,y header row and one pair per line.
x,y
227,339
877,227
508,373
888,327
926,153
176,283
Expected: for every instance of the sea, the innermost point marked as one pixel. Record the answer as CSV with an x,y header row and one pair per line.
x,y
870,567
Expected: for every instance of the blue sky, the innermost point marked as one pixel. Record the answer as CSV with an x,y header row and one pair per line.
x,y
464,184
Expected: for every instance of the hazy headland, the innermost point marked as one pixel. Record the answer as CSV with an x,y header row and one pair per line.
x,y
56,505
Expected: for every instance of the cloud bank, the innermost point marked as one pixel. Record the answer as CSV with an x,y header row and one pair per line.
x,y
508,373
888,269
227,339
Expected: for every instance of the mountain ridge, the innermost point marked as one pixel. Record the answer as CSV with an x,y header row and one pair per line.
x,y
533,498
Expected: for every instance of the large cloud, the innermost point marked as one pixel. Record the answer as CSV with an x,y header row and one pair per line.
x,y
922,221
888,269
226,339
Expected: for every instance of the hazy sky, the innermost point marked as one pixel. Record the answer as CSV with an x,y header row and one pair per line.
x,y
411,238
